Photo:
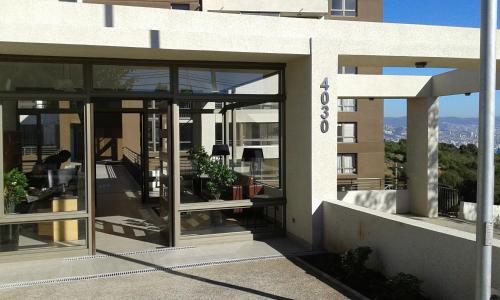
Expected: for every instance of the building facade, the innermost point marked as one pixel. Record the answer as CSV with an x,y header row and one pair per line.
x,y
105,110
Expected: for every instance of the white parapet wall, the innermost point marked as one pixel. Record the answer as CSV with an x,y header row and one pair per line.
x,y
443,258
388,201
468,212
319,7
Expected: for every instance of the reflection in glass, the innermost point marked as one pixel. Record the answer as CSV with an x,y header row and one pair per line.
x,y
40,77
228,81
131,189
42,235
256,220
131,78
204,125
46,150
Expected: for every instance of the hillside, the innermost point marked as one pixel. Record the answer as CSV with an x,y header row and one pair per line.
x,y
457,167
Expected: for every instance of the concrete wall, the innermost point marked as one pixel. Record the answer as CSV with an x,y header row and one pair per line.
x,y
443,258
311,155
193,4
295,6
390,201
298,161
468,212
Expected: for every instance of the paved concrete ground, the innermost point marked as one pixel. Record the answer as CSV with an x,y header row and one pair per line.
x,y
264,279
55,269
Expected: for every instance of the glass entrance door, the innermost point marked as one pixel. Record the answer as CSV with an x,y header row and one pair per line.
x,y
132,200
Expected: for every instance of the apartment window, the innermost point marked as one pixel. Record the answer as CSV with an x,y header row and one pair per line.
x,y
346,164
346,133
347,105
348,70
180,6
345,8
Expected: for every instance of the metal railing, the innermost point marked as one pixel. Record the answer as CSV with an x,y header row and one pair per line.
x,y
132,156
448,201
366,184
46,150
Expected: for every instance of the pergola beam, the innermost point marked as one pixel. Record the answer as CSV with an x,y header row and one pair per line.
x,y
455,82
383,86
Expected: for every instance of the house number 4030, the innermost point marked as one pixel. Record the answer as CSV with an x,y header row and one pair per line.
x,y
325,109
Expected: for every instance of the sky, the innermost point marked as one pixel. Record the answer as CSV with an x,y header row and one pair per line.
x,y
457,13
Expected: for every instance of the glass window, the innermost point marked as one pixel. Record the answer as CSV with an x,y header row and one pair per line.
x,y
131,78
40,77
228,81
43,235
346,133
254,169
180,6
347,105
256,220
348,70
346,164
345,8
43,156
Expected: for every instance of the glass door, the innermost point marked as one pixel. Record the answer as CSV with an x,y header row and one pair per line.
x,y
132,210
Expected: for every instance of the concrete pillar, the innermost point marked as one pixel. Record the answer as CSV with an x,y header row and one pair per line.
x,y
311,154
422,155
203,126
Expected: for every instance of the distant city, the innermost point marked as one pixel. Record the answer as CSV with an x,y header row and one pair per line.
x,y
452,130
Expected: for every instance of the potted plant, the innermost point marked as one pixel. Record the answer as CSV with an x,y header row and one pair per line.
x,y
220,177
15,190
15,185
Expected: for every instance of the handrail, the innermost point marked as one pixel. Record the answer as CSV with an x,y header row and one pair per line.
x,y
132,156
360,184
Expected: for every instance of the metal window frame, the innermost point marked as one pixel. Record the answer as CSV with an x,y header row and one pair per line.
x,y
8,219
174,98
343,10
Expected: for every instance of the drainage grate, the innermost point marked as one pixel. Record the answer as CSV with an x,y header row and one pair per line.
x,y
130,253
136,272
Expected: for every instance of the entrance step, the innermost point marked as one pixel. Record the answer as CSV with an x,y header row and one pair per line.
x,y
107,265
128,253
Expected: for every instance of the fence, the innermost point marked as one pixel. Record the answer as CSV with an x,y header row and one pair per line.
x,y
448,201
366,184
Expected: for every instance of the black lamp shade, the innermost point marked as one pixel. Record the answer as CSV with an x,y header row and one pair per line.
x,y
251,154
220,150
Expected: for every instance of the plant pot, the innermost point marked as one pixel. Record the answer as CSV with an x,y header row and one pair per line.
x,y
9,237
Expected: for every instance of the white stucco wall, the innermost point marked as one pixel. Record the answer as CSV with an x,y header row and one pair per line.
x,y
295,6
390,201
442,257
468,212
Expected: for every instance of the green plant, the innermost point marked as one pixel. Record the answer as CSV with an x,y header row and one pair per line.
x,y
200,160
220,177
403,286
15,185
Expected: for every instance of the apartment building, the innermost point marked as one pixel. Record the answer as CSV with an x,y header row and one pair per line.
x,y
104,109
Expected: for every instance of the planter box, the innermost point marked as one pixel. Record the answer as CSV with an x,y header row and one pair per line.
x,y
468,212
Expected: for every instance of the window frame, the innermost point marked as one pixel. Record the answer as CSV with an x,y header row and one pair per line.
x,y
341,168
342,138
89,96
343,10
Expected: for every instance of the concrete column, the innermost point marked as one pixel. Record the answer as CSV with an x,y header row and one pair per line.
x,y
203,126
311,155
422,155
